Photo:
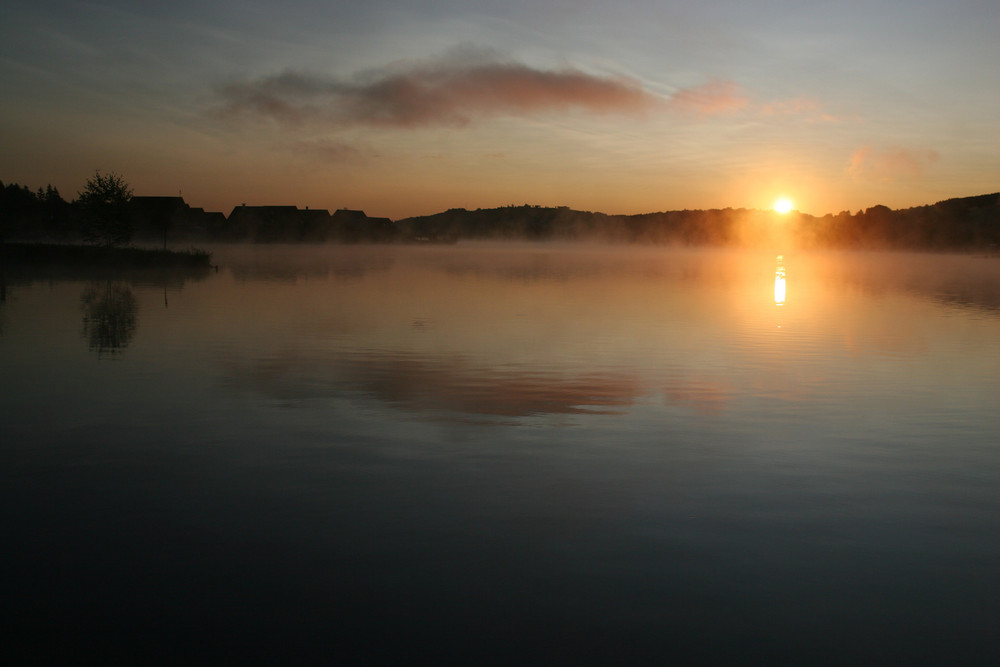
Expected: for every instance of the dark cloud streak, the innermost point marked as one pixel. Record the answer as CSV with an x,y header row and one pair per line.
x,y
434,95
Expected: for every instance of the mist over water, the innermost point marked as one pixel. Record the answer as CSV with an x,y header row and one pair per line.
x,y
493,452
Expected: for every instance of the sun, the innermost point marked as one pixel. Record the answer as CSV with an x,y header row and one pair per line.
x,y
783,205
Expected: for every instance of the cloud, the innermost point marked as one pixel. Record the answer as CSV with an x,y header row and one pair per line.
x,y
441,93
890,163
709,99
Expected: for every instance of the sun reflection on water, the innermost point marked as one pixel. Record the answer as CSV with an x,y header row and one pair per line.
x,y
779,282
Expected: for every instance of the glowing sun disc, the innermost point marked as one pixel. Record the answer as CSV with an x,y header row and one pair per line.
x,y
783,205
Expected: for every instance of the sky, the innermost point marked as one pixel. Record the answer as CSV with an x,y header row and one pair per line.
x,y
403,107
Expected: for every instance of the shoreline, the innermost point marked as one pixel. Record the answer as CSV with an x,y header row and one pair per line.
x,y
102,256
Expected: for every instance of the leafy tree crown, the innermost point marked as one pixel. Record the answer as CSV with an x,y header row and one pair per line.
x,y
104,202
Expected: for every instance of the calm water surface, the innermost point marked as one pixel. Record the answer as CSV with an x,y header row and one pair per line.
x,y
501,453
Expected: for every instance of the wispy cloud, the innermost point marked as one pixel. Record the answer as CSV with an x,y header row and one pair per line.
x,y
709,99
467,85
890,163
435,94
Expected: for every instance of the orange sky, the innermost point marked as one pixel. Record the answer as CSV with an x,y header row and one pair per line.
x,y
412,108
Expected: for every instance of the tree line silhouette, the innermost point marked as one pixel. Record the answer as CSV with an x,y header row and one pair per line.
x,y
968,223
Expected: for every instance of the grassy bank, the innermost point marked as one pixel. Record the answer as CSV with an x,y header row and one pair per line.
x,y
92,256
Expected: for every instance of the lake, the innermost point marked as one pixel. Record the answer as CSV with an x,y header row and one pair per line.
x,y
503,453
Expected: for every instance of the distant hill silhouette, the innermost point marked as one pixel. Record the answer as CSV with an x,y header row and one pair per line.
x,y
967,223
963,223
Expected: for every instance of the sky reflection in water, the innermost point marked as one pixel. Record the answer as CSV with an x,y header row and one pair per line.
x,y
498,452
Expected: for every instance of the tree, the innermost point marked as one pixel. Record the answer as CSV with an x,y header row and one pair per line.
x,y
17,205
104,204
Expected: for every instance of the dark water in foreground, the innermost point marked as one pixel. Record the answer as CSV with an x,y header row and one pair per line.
x,y
504,454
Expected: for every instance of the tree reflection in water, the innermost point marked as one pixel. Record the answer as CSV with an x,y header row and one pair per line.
x,y
109,316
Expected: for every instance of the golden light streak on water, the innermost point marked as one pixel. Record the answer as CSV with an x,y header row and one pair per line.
x,y
779,282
